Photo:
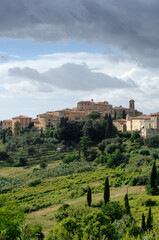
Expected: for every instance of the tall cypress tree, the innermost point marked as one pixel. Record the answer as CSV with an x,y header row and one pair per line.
x,y
127,206
110,124
106,191
3,136
124,114
143,224
153,178
115,115
149,219
89,196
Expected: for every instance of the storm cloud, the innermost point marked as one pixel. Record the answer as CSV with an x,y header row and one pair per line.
x,y
132,26
72,77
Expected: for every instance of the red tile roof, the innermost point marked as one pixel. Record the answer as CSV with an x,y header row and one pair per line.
x,y
21,116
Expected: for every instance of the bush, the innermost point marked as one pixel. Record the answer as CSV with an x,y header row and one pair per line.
x,y
75,211
114,210
145,152
43,165
22,161
92,154
34,183
139,180
70,158
149,203
112,147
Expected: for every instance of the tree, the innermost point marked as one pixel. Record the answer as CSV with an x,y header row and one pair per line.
x,y
149,219
3,136
127,206
94,115
89,196
124,114
143,224
106,191
109,127
22,161
115,115
84,145
17,128
43,165
153,179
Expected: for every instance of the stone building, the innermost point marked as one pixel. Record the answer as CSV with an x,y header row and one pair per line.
x,y
105,107
120,124
90,106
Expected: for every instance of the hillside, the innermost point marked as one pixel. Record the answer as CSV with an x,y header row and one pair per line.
x,y
42,171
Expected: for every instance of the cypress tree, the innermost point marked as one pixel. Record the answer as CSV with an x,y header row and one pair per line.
x,y
153,177
89,196
127,206
106,191
115,115
124,114
143,224
110,125
149,219
3,136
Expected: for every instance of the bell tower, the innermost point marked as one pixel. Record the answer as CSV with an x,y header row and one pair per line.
x,y
132,107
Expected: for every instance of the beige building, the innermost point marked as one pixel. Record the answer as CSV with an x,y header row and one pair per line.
x,y
120,124
146,124
71,114
46,120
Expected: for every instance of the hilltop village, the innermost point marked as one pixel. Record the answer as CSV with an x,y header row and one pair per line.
x,y
125,119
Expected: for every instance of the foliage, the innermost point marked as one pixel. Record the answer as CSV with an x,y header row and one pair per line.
x,y
114,210
11,220
70,158
106,191
89,196
43,165
84,145
149,220
94,115
98,226
152,141
134,136
126,202
67,229
17,128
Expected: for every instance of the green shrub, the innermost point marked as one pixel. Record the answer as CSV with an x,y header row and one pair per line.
x,y
139,180
70,158
114,210
43,165
149,203
145,152
34,183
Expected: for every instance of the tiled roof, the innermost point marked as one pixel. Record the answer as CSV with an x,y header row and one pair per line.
x,y
7,121
142,117
21,116
157,113
119,120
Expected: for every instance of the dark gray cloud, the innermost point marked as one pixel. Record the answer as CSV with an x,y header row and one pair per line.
x,y
130,25
72,77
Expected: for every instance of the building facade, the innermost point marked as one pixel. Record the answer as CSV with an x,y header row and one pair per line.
x,y
23,120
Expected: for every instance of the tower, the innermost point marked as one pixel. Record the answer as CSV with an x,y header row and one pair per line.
x,y
132,107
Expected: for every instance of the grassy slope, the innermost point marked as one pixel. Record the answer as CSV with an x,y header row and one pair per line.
x,y
46,197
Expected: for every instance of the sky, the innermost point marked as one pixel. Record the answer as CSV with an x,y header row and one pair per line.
x,y
55,53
